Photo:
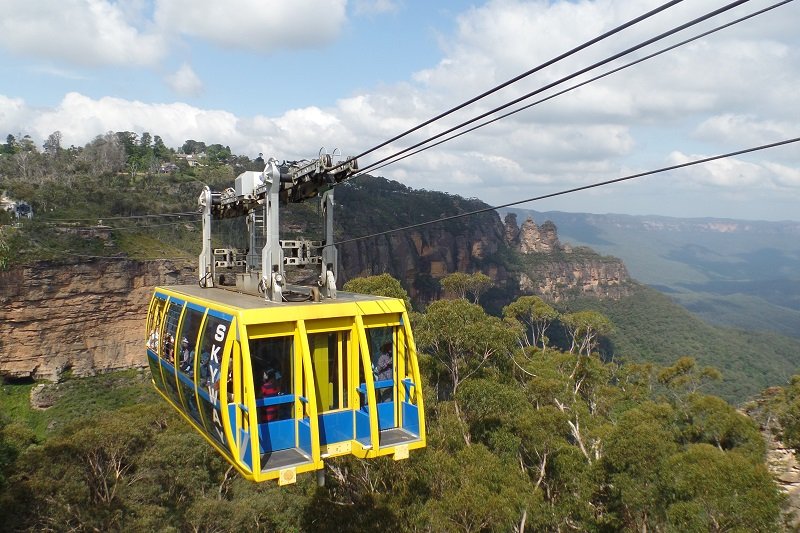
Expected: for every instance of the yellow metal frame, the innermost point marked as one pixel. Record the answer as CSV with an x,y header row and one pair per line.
x,y
353,315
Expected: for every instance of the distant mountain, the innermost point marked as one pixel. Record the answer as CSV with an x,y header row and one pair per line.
x,y
730,272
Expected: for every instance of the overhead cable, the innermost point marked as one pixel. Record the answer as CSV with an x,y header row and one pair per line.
x,y
576,189
562,80
126,217
505,84
591,80
125,228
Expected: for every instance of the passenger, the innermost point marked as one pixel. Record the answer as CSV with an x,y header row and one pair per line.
x,y
187,356
270,388
152,342
169,348
384,371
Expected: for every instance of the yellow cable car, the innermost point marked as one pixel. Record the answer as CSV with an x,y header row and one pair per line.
x,y
277,387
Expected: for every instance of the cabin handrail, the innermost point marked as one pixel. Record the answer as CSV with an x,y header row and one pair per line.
x,y
280,399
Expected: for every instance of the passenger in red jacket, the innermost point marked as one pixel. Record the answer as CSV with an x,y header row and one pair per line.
x,y
270,388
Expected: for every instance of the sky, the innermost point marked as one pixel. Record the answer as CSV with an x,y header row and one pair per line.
x,y
289,78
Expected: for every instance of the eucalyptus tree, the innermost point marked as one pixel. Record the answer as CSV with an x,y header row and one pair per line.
x,y
536,315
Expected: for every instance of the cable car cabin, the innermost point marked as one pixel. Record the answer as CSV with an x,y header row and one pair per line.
x,y
278,387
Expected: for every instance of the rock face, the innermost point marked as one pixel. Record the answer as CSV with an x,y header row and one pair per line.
x,y
420,258
558,272
84,317
781,460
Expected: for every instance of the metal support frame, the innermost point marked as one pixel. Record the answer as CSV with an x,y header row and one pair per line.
x,y
206,259
272,274
257,196
330,257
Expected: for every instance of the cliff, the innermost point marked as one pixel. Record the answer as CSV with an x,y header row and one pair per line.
x,y
83,317
558,271
418,256
527,259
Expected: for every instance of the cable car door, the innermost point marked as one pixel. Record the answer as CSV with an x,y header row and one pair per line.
x,y
237,387
330,358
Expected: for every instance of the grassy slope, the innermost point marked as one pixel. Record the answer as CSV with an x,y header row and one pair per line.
x,y
76,398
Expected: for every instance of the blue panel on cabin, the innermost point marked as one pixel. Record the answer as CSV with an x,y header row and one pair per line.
x,y
244,437
386,415
190,402
168,372
362,426
304,435
232,417
410,418
335,427
277,435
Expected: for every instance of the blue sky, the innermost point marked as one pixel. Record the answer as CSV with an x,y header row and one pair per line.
x,y
286,78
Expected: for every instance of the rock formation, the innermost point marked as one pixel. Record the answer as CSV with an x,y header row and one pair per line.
x,y
557,271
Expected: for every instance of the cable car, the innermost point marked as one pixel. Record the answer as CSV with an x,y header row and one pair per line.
x,y
277,387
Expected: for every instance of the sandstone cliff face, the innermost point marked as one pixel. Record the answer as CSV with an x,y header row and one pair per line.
x,y
558,272
85,317
428,253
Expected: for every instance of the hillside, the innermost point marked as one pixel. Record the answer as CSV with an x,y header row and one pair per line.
x,y
650,327
744,274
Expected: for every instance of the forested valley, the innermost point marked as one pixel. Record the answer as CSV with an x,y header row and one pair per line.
x,y
531,425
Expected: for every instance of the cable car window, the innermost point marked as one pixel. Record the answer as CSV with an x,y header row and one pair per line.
x,y
154,325
188,345
186,357
329,354
173,314
212,343
272,361
154,321
168,353
382,343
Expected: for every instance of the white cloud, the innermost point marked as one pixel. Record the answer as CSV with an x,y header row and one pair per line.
x,y
784,176
735,89
80,119
102,32
88,32
730,173
746,130
257,25
185,82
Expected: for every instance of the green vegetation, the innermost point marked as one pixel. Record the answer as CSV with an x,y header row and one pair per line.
x,y
652,328
382,285
75,398
90,200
